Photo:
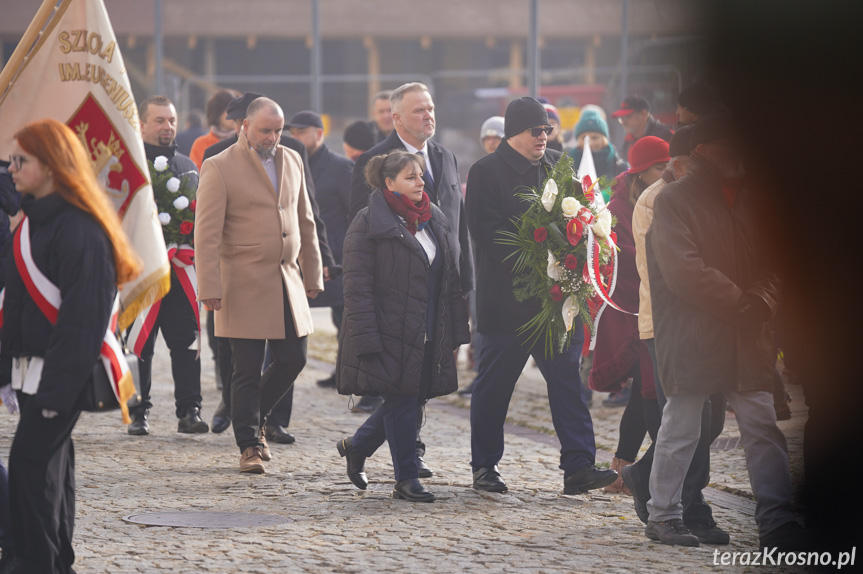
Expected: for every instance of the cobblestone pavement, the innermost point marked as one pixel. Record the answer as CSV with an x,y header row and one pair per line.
x,y
336,528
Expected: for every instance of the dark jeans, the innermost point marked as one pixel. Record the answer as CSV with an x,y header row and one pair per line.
x,y
501,361
42,489
396,422
253,395
177,322
281,414
695,508
639,417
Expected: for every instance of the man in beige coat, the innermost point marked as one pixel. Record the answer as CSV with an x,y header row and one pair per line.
x,y
254,224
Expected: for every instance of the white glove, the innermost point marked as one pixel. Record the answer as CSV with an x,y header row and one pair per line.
x,y
9,398
46,414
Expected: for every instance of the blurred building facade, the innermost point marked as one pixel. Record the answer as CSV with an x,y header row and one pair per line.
x,y
473,53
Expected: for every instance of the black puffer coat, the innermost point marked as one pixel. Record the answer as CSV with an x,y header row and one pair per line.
x,y
382,339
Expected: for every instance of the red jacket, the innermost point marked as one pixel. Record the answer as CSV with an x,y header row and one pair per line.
x,y
619,349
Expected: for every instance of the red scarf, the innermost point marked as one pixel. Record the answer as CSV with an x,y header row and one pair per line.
x,y
416,215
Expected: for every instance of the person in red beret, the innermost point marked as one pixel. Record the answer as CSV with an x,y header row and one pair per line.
x,y
620,354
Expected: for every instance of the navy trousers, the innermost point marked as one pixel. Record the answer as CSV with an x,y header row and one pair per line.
x,y
395,421
501,361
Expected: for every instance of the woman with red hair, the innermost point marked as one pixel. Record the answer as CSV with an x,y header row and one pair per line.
x,y
70,244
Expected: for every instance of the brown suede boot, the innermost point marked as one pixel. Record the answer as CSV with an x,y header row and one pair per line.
x,y
617,486
251,462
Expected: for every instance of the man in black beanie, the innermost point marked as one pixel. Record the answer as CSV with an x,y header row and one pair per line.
x,y
520,160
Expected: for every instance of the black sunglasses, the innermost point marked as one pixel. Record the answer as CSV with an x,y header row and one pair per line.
x,y
536,132
17,161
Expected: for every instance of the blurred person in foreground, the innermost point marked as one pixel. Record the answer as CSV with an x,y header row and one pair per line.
x,y
637,121
697,514
712,294
257,255
75,242
521,160
193,128
619,353
404,316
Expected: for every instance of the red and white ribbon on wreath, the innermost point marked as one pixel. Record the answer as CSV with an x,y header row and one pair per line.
x,y
48,298
182,260
593,249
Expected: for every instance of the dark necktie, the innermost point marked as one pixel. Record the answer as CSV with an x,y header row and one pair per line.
x,y
427,176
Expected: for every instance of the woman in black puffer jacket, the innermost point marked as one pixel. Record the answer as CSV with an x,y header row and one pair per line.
x,y
404,315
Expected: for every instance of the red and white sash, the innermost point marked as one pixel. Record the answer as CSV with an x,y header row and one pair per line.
x,y
47,297
182,261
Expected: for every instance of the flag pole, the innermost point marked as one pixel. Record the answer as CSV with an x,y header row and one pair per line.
x,y
46,11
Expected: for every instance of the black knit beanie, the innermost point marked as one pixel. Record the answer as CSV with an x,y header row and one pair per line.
x,y
524,113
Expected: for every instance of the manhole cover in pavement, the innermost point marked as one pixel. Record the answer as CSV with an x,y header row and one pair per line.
x,y
205,519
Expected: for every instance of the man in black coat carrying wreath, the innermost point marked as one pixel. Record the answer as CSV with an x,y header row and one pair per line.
x,y
520,160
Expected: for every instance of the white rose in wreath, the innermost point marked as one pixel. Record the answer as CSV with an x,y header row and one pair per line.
x,y
173,185
181,203
602,225
160,163
570,207
164,218
549,195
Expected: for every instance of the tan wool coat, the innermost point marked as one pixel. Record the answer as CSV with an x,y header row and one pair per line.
x,y
248,239
642,216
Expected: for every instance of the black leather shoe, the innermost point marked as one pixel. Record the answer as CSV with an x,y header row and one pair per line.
x,y
640,490
280,435
191,422
424,470
139,425
709,533
220,424
412,490
488,479
672,532
588,478
328,383
356,463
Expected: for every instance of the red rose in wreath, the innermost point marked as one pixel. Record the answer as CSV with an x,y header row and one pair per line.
x,y
186,227
556,293
540,234
571,262
574,230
